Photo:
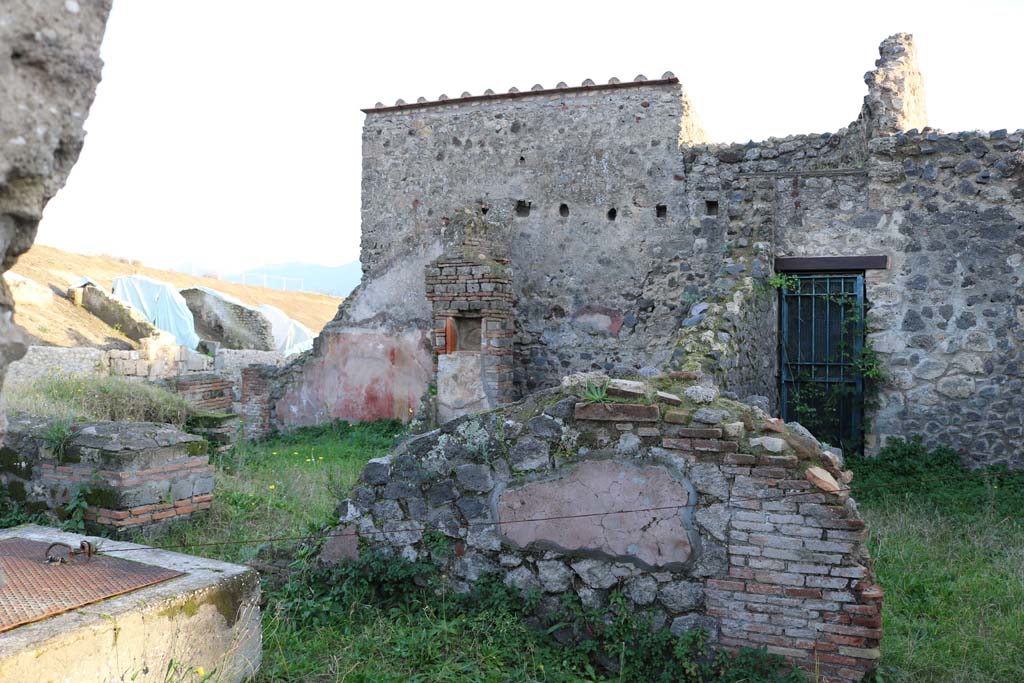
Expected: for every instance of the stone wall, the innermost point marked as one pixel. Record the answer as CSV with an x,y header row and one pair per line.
x,y
374,371
139,473
701,511
591,295
678,274
228,322
47,361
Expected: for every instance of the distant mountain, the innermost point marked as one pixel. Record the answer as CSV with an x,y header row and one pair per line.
x,y
308,277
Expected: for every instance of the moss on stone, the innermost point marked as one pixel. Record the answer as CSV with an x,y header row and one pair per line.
x,y
208,420
16,491
226,597
102,498
201,447
12,462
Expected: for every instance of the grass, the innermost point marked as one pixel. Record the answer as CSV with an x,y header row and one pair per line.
x,y
949,552
285,487
72,398
954,594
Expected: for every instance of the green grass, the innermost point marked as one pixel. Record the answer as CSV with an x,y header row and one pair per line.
x,y
954,594
288,486
949,552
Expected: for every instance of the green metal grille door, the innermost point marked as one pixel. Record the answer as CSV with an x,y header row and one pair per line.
x,y
822,320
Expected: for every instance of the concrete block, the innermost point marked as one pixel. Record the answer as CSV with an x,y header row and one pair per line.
x,y
209,617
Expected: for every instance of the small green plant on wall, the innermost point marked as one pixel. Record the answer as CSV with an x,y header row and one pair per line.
x,y
595,392
784,281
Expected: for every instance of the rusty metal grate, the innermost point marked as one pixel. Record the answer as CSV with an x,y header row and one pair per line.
x,y
31,589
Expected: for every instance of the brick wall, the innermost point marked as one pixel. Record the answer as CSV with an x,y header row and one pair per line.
x,y
256,401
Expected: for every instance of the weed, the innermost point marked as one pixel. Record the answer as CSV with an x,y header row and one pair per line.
x,y
74,510
57,436
784,281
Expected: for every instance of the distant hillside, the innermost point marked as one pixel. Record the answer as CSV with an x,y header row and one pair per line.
x,y
56,321
332,280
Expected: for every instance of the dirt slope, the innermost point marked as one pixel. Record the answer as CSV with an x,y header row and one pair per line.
x,y
58,322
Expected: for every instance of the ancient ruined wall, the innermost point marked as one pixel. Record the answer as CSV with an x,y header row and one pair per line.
x,y
48,361
680,276
701,511
361,372
947,317
598,287
113,312
49,68
951,320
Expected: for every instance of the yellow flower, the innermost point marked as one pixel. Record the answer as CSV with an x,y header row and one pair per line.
x,y
295,452
309,459
200,671
272,487
322,457
273,452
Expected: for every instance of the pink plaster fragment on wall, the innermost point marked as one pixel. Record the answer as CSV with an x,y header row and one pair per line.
x,y
648,531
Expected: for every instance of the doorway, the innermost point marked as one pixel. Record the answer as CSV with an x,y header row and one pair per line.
x,y
820,345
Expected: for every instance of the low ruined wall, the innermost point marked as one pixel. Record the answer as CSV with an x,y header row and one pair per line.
x,y
701,511
44,361
113,312
372,373
139,473
229,363
203,391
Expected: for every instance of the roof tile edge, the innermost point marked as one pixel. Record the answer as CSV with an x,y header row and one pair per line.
x,y
672,80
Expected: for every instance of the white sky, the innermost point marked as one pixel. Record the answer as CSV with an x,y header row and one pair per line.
x,y
226,133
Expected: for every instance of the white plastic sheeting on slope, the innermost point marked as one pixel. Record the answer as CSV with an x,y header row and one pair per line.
x,y
162,305
290,336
